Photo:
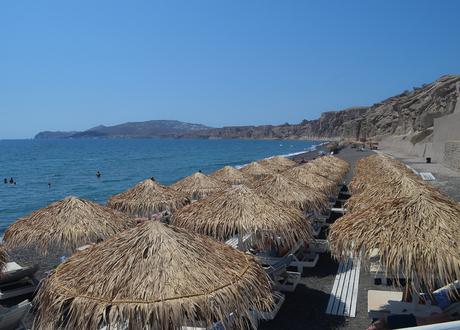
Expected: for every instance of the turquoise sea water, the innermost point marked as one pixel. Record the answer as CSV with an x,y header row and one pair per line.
x,y
71,165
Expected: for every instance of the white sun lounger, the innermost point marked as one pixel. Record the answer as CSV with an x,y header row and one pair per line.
x,y
282,279
234,241
298,258
12,318
17,281
279,298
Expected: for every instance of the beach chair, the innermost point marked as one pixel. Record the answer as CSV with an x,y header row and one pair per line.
x,y
12,318
378,271
279,298
384,303
235,243
17,281
282,279
299,259
318,246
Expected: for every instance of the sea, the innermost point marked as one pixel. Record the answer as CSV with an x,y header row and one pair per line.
x,y
70,166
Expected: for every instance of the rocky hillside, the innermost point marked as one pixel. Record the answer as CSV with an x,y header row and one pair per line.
x,y
410,112
146,129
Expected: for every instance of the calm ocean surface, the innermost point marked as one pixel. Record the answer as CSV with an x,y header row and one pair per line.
x,y
71,165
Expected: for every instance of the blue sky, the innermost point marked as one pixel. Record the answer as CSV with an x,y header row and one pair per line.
x,y
72,65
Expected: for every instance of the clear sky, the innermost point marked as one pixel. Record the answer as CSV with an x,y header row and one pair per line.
x,y
72,65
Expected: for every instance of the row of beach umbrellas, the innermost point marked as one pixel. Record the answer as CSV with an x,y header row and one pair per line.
x,y
164,275
411,224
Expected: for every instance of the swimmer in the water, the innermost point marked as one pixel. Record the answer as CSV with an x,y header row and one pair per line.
x,y
11,180
5,180
98,174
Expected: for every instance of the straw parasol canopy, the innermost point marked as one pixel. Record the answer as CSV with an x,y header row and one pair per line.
x,y
324,170
198,186
3,257
153,276
256,170
303,175
148,198
416,236
229,175
278,163
293,193
66,225
239,210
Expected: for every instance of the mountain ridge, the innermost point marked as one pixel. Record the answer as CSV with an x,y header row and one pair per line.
x,y
408,113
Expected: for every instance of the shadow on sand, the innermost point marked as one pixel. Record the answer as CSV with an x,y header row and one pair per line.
x,y
304,309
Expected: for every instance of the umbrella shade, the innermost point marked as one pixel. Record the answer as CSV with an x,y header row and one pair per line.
x,y
256,170
152,277
417,236
66,225
198,186
239,210
293,193
148,198
278,163
229,175
305,176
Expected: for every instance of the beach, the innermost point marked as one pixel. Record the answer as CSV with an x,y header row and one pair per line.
x,y
305,307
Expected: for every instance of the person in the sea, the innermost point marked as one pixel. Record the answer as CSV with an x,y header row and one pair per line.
x,y
49,185
98,174
5,180
11,180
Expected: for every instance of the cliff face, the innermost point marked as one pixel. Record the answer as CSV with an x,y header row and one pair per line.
x,y
410,112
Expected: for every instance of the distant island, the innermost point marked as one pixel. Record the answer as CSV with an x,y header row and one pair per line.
x,y
131,130
410,115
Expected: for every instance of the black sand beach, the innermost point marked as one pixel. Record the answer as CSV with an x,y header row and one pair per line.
x,y
305,308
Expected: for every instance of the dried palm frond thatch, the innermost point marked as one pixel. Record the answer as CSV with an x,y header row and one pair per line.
x,y
148,198
230,175
239,210
153,277
398,186
3,258
324,170
256,170
293,193
312,180
278,163
198,186
66,225
417,236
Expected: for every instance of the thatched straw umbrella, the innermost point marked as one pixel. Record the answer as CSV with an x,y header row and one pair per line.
x,y
66,225
240,210
148,198
198,186
153,277
324,170
293,193
303,175
416,236
3,257
256,170
278,163
229,175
